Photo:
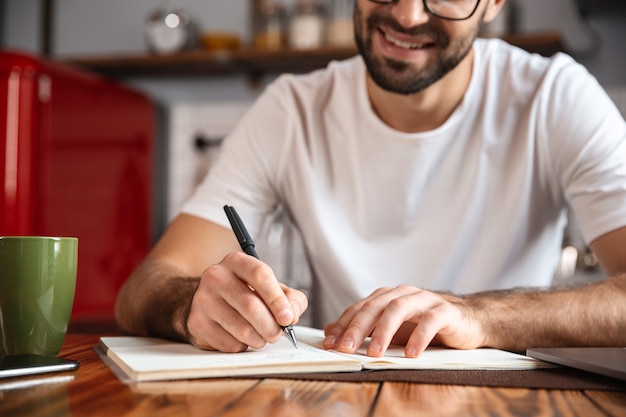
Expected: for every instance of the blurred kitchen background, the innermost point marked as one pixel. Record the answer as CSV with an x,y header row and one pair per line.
x,y
202,63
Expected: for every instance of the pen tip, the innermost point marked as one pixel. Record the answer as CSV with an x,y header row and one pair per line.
x,y
291,335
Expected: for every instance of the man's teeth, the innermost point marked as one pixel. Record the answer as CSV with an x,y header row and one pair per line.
x,y
402,44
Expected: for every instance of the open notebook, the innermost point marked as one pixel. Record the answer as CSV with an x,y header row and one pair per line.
x,y
150,359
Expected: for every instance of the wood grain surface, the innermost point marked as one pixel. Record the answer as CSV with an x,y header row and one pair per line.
x,y
94,390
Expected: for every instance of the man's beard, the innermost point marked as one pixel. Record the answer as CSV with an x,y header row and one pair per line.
x,y
398,76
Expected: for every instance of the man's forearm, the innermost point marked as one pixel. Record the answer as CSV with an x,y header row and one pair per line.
x,y
155,301
593,314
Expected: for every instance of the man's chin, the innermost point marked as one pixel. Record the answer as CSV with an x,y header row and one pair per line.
x,y
396,80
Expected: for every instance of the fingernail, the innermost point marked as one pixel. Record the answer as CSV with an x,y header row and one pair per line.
x,y
410,352
296,309
347,344
285,316
329,342
374,348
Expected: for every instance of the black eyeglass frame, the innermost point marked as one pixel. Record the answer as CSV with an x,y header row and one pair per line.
x,y
430,11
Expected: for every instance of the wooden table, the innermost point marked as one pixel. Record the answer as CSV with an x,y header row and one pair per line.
x,y
95,390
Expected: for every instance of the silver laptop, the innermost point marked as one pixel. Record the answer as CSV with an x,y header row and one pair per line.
x,y
609,361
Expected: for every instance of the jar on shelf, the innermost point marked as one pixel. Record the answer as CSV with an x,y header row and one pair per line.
x,y
340,26
307,25
269,21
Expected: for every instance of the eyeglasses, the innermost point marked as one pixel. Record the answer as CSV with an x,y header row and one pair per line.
x,y
445,9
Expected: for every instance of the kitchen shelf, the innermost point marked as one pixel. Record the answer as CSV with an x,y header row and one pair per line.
x,y
208,63
256,62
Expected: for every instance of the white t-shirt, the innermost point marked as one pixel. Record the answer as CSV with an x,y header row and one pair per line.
x,y
476,204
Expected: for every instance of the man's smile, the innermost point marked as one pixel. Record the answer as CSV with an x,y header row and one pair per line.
x,y
404,41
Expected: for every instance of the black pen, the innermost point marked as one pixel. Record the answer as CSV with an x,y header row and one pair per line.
x,y
247,245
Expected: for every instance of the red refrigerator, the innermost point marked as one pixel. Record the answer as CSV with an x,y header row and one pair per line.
x,y
76,159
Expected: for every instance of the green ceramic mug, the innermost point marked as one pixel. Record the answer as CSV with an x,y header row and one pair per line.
x,y
37,284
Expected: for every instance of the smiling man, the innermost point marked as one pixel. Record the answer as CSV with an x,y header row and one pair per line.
x,y
432,164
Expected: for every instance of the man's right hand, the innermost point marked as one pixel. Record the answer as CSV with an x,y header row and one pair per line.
x,y
240,303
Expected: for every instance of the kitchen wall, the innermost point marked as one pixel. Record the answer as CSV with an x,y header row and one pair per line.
x,y
2,23
19,24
